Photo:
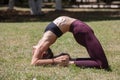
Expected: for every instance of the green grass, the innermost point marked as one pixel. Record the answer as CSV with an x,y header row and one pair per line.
x,y
17,39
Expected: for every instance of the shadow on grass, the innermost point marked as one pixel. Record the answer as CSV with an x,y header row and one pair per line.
x,y
24,16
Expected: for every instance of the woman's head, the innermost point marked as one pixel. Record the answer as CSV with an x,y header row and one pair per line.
x,y
48,54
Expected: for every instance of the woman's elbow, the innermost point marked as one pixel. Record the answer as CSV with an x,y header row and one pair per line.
x,y
34,63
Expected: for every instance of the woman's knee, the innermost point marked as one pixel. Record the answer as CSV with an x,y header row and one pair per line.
x,y
103,65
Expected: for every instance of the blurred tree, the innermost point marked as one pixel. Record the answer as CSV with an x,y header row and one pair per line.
x,y
58,4
35,7
11,4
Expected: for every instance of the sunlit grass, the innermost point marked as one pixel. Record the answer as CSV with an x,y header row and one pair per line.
x,y
17,39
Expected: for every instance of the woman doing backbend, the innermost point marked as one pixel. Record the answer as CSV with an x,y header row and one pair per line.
x,y
82,33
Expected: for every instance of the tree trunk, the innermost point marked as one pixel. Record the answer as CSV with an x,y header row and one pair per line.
x,y
35,7
58,4
39,6
11,4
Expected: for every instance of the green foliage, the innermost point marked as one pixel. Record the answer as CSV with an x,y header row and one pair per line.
x,y
17,39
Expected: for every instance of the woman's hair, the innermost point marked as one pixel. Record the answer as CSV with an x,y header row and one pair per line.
x,y
48,54
62,54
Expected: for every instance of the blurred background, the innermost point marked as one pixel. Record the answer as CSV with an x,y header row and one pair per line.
x,y
81,9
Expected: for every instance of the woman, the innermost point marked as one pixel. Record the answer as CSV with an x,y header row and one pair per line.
x,y
82,33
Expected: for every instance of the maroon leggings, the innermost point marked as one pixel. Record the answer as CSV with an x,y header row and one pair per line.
x,y
84,35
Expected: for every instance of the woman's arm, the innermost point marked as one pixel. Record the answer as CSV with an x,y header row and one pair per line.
x,y
48,39
39,51
62,60
44,62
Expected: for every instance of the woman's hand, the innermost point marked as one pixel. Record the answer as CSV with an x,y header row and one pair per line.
x,y
62,60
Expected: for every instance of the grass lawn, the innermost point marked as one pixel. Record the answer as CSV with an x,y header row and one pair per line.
x,y
17,39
